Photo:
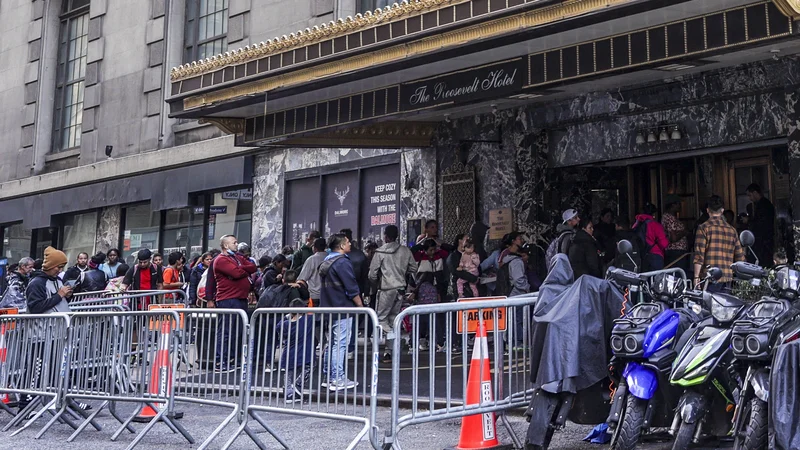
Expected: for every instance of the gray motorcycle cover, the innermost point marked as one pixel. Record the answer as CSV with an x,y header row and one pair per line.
x,y
784,404
571,327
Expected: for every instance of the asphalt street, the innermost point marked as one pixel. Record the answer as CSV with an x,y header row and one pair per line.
x,y
299,432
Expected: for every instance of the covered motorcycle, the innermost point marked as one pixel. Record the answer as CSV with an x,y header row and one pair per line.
x,y
572,324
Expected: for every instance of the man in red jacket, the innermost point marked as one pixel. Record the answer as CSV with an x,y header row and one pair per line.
x,y
232,272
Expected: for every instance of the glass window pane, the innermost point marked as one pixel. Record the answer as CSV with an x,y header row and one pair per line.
x,y
16,243
203,34
80,233
44,238
183,231
141,230
231,213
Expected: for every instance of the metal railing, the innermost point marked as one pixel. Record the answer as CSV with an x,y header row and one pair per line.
x,y
132,300
300,365
444,395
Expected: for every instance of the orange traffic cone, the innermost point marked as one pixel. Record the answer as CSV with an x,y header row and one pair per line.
x,y
161,371
479,431
3,353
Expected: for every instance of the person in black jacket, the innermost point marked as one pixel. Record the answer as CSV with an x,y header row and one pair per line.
x,y
359,261
197,273
94,279
584,253
46,293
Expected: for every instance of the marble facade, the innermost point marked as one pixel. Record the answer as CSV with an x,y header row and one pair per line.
x,y
108,229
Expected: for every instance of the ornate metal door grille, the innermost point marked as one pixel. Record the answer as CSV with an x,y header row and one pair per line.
x,y
458,201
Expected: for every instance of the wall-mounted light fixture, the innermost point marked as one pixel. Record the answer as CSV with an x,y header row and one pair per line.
x,y
658,133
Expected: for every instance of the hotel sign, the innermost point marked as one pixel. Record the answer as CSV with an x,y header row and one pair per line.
x,y
492,81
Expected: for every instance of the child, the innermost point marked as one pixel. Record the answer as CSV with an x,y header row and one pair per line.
x,y
297,334
425,294
470,261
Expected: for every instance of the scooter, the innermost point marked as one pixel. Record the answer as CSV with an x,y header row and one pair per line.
x,y
644,346
767,324
704,367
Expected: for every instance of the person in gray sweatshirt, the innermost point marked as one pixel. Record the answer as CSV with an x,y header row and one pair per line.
x,y
390,267
518,281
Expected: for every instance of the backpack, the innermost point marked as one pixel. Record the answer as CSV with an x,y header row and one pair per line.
x,y
560,244
201,286
641,232
276,296
503,286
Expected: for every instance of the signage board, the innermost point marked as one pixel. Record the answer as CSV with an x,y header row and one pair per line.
x,y
154,323
501,222
473,316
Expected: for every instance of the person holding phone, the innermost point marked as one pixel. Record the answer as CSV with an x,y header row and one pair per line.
x,y
46,293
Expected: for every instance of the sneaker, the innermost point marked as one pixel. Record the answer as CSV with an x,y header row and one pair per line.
x,y
351,356
268,369
519,348
423,345
387,358
324,384
223,368
456,350
83,406
342,385
293,396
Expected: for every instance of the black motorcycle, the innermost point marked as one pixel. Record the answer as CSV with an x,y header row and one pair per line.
x,y
767,324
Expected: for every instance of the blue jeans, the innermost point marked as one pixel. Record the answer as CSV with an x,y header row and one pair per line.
x,y
337,348
226,346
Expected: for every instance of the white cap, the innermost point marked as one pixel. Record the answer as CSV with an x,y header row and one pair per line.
x,y
569,215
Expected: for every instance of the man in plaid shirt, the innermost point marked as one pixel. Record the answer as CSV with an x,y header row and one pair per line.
x,y
716,245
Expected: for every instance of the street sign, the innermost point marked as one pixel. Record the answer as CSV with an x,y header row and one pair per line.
x,y
473,316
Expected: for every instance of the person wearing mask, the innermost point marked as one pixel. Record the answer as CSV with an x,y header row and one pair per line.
x,y
762,224
339,290
288,252
604,231
654,237
13,296
94,279
565,233
173,275
676,233
274,272
197,273
232,274
390,268
584,253
309,276
145,275
81,266
305,252
111,263
716,245
45,292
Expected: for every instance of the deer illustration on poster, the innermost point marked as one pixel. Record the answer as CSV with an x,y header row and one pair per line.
x,y
341,195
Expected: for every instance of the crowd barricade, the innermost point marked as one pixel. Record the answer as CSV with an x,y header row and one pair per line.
x,y
84,296
212,363
289,351
438,388
132,300
32,357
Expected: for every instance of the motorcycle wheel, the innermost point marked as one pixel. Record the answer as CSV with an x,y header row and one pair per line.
x,y
629,429
754,436
683,439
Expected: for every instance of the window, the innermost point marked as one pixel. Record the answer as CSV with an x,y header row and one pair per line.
x,y
73,45
140,230
230,212
16,242
80,233
206,29
372,5
183,231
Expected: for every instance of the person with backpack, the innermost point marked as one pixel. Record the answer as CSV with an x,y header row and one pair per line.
x,y
281,295
565,234
512,280
309,275
652,234
196,275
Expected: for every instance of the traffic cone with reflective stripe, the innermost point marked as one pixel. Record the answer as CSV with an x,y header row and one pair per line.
x,y
479,431
3,352
160,373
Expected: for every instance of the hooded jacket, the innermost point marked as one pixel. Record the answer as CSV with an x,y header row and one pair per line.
x,y
656,236
42,294
517,275
584,257
339,286
391,265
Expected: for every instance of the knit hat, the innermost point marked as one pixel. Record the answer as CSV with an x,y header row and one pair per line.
x,y
53,258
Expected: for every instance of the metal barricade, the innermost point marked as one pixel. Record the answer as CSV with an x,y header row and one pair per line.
x,y
440,367
133,300
82,296
212,361
32,358
299,365
122,357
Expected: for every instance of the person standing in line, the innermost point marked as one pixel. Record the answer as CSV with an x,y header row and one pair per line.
x,y
158,260
676,233
470,262
13,296
716,245
584,253
390,268
604,231
173,274
274,273
762,224
655,241
81,266
339,290
94,279
197,274
516,272
45,292
232,273
305,252
565,234
309,276
111,264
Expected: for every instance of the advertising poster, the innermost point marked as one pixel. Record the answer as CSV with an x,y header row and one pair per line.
x,y
380,200
341,202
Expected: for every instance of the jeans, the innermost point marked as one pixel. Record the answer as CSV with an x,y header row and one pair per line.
x,y
653,262
336,353
228,346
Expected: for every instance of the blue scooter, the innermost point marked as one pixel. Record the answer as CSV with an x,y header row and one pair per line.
x,y
644,344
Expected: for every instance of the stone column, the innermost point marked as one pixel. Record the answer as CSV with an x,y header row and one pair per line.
x,y
267,234
793,134
418,186
108,228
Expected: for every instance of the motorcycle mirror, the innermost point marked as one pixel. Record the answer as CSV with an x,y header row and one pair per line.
x,y
747,239
714,273
624,247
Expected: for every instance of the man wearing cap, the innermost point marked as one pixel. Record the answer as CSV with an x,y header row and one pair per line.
x,y
45,292
144,276
565,233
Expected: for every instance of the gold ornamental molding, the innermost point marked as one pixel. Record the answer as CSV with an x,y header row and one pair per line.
x,y
227,125
538,17
309,36
384,134
791,8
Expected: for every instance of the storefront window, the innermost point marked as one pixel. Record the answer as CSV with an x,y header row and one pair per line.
x,y
80,233
231,212
43,239
183,231
303,200
16,243
141,230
